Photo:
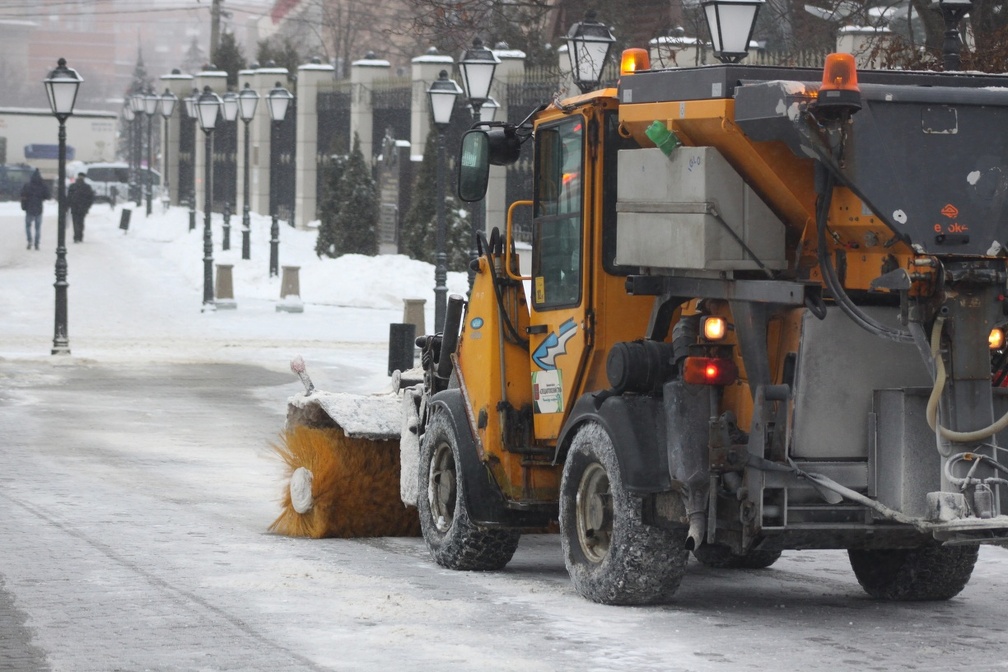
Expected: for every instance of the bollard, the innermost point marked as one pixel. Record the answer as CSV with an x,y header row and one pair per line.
x,y
413,313
290,291
401,347
225,288
124,219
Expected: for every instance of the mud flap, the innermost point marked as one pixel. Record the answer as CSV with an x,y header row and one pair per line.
x,y
687,417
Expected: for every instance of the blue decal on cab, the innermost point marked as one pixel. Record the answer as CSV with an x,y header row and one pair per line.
x,y
554,345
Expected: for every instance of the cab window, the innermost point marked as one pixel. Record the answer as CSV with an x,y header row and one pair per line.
x,y
556,225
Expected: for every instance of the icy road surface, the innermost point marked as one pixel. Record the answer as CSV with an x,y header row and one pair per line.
x,y
135,501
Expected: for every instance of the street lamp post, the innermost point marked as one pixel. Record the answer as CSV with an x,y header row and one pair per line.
x,y
61,86
137,103
207,108
731,24
130,154
190,103
442,94
588,45
247,101
953,12
229,108
151,101
168,102
477,66
278,100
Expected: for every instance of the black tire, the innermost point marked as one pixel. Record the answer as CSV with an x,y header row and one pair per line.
x,y
721,557
453,540
927,573
612,557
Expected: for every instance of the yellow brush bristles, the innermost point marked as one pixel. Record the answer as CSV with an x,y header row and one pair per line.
x,y
355,486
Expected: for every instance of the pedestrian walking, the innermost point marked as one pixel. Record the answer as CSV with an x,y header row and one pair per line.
x,y
33,194
80,196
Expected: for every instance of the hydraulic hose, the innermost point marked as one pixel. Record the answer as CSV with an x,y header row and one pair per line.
x,y
833,282
936,392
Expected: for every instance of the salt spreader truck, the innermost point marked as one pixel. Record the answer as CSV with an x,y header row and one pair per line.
x,y
762,313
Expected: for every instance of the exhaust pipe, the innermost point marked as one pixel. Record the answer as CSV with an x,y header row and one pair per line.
x,y
450,335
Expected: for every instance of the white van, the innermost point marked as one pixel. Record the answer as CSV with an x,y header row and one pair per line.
x,y
110,181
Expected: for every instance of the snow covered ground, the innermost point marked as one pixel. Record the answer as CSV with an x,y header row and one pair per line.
x,y
138,294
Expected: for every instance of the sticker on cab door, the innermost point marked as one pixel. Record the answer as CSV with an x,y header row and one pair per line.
x,y
547,391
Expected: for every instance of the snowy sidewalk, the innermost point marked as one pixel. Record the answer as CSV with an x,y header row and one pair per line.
x,y
137,295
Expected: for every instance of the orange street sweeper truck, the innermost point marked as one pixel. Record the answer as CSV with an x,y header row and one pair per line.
x,y
761,314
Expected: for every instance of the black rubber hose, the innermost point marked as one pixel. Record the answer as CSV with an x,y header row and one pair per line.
x,y
833,282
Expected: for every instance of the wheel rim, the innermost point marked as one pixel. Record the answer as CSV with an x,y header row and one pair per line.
x,y
441,487
593,513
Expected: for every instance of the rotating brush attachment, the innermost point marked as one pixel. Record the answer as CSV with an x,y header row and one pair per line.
x,y
335,486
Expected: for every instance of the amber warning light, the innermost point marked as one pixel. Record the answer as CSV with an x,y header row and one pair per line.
x,y
839,83
634,60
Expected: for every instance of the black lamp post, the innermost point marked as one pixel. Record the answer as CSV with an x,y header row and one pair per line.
x,y
731,24
442,94
190,103
137,103
477,66
207,108
588,45
278,100
953,12
168,102
151,101
129,116
61,86
229,108
247,101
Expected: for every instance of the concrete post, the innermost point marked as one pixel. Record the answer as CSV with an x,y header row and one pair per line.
x,y
225,288
510,70
860,41
425,70
290,291
363,74
310,77
181,86
675,51
217,81
262,80
413,313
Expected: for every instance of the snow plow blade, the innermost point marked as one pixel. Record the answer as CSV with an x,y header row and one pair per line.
x,y
341,458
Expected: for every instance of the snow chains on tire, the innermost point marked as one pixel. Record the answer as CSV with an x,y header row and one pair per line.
x,y
639,564
460,544
930,572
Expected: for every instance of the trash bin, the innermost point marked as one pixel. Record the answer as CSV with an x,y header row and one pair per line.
x,y
401,347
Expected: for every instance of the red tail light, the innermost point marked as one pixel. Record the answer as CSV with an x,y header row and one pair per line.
x,y
709,371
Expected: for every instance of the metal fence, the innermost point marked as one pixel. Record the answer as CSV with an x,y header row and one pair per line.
x,y
225,156
390,105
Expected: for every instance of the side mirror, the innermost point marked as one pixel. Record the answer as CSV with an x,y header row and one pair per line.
x,y
482,148
474,166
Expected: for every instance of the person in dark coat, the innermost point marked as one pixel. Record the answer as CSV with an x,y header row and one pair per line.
x,y
33,194
80,196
